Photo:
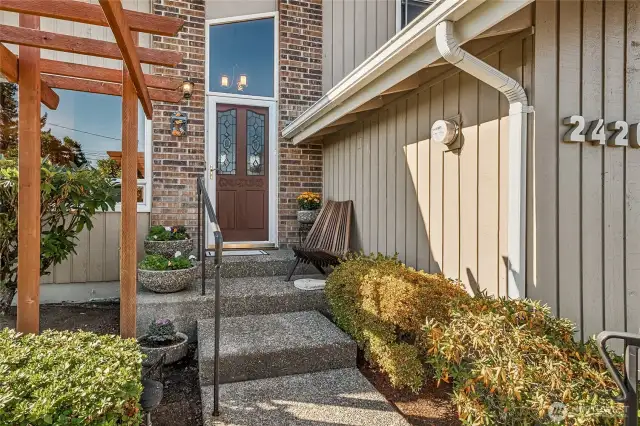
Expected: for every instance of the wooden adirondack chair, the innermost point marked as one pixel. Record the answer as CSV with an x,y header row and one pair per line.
x,y
328,239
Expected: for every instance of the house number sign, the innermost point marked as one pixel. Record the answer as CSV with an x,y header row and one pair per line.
x,y
622,134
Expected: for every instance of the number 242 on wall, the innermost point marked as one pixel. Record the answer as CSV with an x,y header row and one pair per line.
x,y
623,133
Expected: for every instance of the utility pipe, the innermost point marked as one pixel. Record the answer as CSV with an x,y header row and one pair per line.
x,y
519,107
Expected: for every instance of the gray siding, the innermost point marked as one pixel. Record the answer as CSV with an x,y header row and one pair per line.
x,y
98,252
216,9
587,247
440,211
353,30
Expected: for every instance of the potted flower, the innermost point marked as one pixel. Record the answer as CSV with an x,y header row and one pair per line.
x,y
309,204
162,338
166,240
167,275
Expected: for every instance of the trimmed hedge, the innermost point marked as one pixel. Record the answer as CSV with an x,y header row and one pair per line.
x,y
383,305
69,378
509,361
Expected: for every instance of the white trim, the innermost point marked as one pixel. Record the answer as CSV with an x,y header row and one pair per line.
x,y
398,16
145,207
405,54
276,49
210,144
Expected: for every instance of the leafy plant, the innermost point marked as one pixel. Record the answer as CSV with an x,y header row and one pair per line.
x,y
382,304
510,360
169,233
157,262
70,196
162,331
309,201
69,378
109,168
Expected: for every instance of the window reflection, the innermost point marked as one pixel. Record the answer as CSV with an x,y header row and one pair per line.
x,y
410,9
241,58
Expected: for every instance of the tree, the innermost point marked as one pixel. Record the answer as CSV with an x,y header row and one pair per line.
x,y
64,152
8,116
70,196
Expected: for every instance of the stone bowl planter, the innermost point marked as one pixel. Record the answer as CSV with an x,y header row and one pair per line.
x,y
307,216
167,281
168,248
175,352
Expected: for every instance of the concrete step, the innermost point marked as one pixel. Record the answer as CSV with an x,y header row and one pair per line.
x,y
274,263
262,346
239,296
334,397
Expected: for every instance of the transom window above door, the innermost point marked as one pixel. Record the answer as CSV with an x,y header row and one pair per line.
x,y
242,57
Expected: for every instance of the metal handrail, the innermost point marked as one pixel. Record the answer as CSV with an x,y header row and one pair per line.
x,y
204,204
627,384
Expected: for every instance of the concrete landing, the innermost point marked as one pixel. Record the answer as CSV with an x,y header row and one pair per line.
x,y
262,346
240,296
274,263
335,397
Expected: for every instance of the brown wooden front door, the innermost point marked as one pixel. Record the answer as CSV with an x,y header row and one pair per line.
x,y
242,172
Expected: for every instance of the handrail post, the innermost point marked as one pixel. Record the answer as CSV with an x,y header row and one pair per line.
x,y
216,365
199,217
203,254
628,385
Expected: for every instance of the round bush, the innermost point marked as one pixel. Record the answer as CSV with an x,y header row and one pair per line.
x,y
69,378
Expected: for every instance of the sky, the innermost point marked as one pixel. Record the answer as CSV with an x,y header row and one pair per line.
x,y
92,120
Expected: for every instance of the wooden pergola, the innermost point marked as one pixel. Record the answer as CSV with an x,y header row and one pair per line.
x,y
37,77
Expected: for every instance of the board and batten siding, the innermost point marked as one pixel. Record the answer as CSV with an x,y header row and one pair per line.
x,y
587,208
97,257
440,211
351,31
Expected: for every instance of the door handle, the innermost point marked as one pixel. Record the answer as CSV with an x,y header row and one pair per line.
x,y
212,171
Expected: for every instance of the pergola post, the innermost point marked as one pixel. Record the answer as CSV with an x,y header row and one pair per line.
x,y
129,204
29,184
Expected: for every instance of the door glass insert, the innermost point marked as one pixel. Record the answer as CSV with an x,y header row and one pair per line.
x,y
255,143
227,123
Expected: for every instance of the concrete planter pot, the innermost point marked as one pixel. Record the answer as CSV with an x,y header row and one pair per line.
x,y
167,281
175,352
168,248
307,216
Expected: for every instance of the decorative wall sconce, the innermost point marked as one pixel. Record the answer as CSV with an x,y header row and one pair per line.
x,y
187,89
224,81
242,82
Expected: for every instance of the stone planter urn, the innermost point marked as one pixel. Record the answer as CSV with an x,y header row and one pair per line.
x,y
175,351
168,248
307,216
167,281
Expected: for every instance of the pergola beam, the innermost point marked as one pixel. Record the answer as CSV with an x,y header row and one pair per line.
x,y
120,27
9,68
83,46
76,11
105,88
110,75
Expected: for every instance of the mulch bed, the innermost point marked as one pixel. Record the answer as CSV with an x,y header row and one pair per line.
x,y
181,403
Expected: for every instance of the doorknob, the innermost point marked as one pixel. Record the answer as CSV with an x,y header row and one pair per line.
x,y
212,172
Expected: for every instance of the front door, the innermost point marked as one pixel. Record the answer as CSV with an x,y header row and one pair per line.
x,y
242,172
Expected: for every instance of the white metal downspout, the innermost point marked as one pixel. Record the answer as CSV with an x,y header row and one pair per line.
x,y
518,109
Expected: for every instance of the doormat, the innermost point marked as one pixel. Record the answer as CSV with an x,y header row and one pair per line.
x,y
239,253
309,284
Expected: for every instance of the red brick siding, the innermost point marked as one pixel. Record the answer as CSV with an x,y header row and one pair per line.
x,y
177,161
300,87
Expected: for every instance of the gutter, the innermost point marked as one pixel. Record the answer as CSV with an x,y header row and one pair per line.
x,y
519,107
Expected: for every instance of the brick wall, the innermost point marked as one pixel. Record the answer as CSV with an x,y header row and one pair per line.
x,y
177,161
300,87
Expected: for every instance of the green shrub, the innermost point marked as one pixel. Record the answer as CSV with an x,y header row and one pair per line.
x,y
383,305
70,197
161,331
172,233
157,262
69,378
509,360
